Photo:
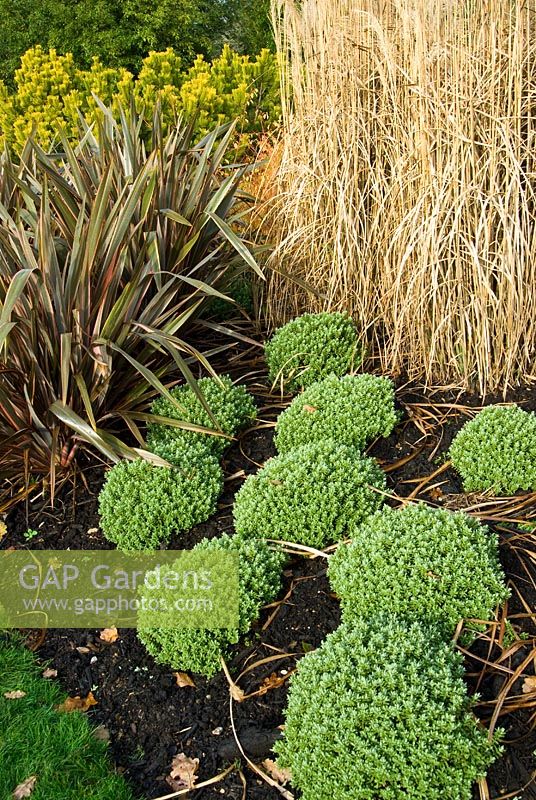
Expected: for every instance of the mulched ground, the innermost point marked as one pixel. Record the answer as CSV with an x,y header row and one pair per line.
x,y
150,719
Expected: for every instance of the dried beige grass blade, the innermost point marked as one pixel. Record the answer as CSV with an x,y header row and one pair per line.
x,y
407,183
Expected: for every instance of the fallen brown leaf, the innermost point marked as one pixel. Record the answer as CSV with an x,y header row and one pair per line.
x,y
183,772
529,684
109,635
50,673
310,409
16,695
278,773
25,788
183,679
83,649
273,681
77,703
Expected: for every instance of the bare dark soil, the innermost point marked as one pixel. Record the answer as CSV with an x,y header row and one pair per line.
x,y
150,719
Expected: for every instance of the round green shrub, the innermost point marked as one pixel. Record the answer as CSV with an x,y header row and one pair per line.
x,y
232,407
380,711
497,450
197,649
419,562
311,347
142,505
311,495
354,409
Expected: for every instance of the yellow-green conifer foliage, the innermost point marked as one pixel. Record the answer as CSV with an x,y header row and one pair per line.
x,y
51,92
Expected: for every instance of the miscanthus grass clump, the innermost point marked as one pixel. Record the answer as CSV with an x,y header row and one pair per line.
x,y
354,409
311,495
231,408
200,650
141,505
419,562
497,450
311,347
380,711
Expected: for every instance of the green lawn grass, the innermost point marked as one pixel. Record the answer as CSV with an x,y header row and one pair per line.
x,y
35,739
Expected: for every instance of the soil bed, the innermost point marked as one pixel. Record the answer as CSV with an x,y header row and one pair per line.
x,y
150,719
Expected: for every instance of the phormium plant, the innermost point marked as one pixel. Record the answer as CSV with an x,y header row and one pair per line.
x,y
107,255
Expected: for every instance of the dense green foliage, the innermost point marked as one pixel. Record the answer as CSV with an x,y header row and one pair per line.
x,y
380,711
221,407
121,32
311,495
200,650
35,739
354,409
107,256
175,449
497,450
51,92
239,293
419,562
312,347
141,505
250,28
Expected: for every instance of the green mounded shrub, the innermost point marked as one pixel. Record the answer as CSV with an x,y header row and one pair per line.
x,y
380,711
232,407
497,450
240,294
419,562
311,347
60,749
354,409
200,650
142,505
311,495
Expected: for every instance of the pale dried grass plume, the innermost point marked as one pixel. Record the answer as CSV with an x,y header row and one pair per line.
x,y
406,190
